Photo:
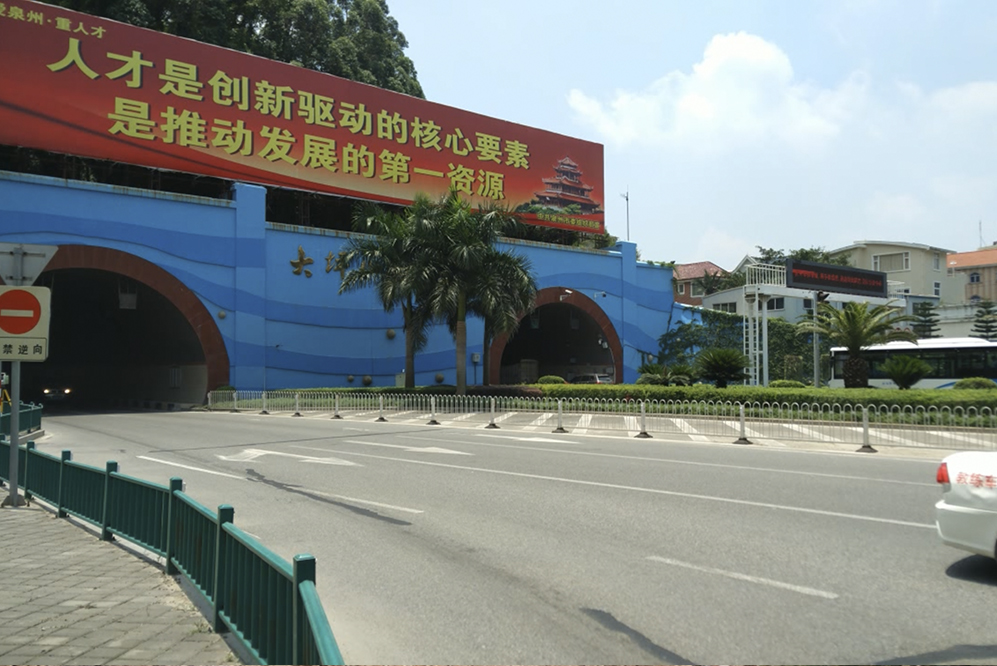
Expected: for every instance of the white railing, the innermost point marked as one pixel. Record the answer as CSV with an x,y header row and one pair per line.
x,y
765,274
884,425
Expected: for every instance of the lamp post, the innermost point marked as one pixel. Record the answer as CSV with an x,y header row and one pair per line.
x,y
626,195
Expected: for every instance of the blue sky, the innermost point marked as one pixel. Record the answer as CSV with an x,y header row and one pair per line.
x,y
780,123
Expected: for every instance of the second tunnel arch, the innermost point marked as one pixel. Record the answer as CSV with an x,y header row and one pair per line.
x,y
574,300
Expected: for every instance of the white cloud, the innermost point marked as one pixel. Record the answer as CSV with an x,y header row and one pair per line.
x,y
742,92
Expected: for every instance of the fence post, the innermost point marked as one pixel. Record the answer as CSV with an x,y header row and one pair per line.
x,y
297,405
226,514
209,400
63,459
643,434
743,439
264,410
28,448
235,401
866,447
176,485
105,532
491,421
335,413
560,427
304,570
380,409
432,411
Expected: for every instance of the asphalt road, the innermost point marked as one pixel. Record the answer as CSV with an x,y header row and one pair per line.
x,y
474,546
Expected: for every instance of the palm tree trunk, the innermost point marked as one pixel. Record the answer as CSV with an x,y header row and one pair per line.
x,y
856,373
409,348
460,337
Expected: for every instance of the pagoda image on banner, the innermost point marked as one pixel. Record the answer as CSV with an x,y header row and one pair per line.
x,y
566,190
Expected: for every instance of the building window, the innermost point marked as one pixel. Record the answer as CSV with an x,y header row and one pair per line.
x,y
726,307
974,278
975,300
808,303
776,303
938,289
888,263
696,290
681,288
936,261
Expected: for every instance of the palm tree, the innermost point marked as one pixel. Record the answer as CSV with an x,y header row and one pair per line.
x,y
457,245
856,326
502,296
388,261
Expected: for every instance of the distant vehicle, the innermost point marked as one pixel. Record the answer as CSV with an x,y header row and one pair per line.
x,y
56,393
951,359
966,516
592,379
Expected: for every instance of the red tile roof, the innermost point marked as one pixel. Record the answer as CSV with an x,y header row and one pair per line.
x,y
696,270
986,257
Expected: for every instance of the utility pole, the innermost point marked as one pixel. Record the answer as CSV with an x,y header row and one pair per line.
x,y
626,195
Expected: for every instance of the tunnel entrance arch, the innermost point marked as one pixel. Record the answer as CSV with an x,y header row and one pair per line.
x,y
566,334
115,317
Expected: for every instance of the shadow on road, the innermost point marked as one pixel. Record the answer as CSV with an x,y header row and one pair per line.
x,y
975,569
959,654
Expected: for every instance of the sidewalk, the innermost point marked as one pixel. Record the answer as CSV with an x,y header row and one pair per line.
x,y
69,598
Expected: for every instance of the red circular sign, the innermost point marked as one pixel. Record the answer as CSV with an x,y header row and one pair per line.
x,y
19,311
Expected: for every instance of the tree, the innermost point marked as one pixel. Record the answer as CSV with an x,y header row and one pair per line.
x,y
388,262
457,248
856,326
355,39
985,321
925,323
905,371
501,296
815,254
721,366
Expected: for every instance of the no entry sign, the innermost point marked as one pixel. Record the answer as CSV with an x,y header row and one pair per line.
x,y
24,320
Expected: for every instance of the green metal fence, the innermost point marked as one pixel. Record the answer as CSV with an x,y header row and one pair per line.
x,y
29,418
270,605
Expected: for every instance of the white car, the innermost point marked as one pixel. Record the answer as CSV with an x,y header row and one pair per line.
x,y
966,517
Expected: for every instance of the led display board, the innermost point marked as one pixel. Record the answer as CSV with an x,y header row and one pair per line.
x,y
837,279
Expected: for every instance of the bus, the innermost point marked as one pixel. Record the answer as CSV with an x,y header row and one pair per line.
x,y
951,359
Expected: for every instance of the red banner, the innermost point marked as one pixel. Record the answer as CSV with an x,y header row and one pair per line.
x,y
84,85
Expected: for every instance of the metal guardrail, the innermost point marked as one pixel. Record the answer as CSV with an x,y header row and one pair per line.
x,y
271,606
888,425
29,418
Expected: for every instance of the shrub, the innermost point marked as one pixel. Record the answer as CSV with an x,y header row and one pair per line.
x,y
721,366
654,378
905,371
651,368
551,379
786,384
975,383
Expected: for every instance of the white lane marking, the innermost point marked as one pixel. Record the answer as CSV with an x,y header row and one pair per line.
x,y
524,439
362,501
639,489
584,421
411,449
689,429
811,432
196,469
252,454
575,452
751,579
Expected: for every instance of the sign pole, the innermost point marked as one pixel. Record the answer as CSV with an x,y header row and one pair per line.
x,y
816,346
13,499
